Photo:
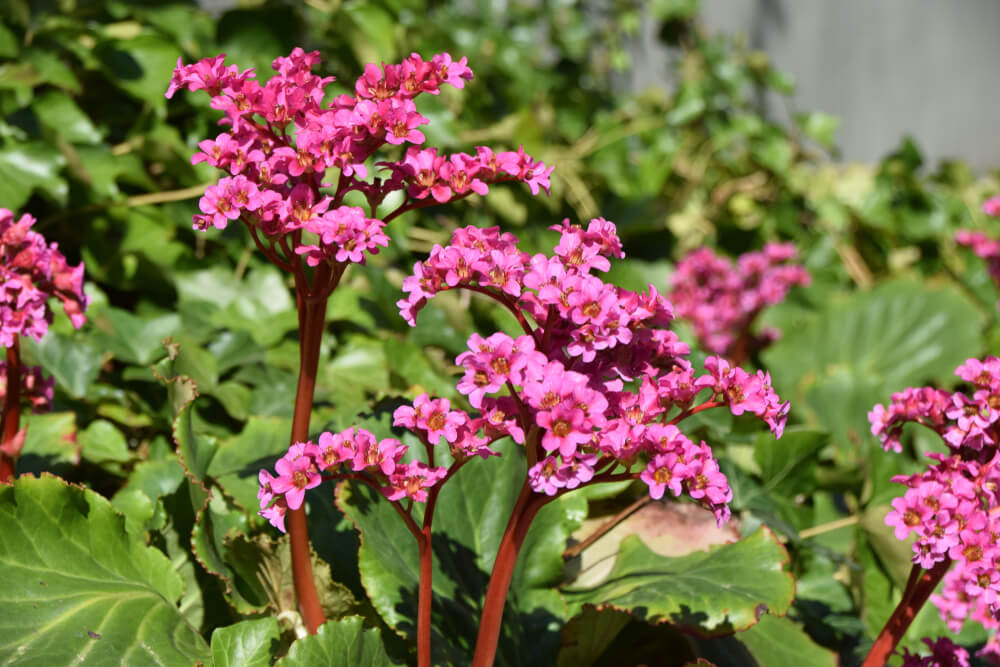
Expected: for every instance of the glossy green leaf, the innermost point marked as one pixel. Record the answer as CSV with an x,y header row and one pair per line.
x,y
479,500
101,441
28,167
49,442
58,113
245,644
344,643
772,641
134,339
71,360
140,65
787,466
722,590
238,460
860,350
82,588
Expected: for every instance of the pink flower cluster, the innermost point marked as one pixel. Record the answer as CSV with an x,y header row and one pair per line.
x,y
597,379
953,507
31,272
991,207
354,453
963,422
35,387
594,388
944,653
956,607
283,138
984,247
722,300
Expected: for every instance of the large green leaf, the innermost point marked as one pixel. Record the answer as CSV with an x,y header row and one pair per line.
x,y
216,516
71,360
29,166
245,644
77,588
134,339
788,466
714,592
860,350
59,114
343,643
773,641
239,459
475,506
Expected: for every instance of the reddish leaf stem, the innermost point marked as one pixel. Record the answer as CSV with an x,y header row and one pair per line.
x,y
313,317
10,422
917,591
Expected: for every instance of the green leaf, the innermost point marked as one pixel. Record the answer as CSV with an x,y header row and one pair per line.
x,y
71,360
50,438
38,166
238,460
788,466
60,115
261,304
479,499
861,349
101,442
818,126
103,170
134,339
343,643
773,641
254,37
722,590
359,367
374,39
8,43
79,588
780,641
245,644
589,634
139,66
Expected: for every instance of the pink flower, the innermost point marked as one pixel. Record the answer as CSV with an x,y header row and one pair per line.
x,y
296,472
992,207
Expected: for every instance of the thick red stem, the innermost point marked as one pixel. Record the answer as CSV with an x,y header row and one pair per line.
x,y
426,593
527,506
914,597
312,317
10,423
424,599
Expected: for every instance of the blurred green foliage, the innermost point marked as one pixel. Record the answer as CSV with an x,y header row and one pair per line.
x,y
90,146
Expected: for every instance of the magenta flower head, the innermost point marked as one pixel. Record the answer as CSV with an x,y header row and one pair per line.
x,y
991,207
32,272
722,300
596,380
291,159
952,508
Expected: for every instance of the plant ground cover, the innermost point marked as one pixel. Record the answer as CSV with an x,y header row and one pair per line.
x,y
493,436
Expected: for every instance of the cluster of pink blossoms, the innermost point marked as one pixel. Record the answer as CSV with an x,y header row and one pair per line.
x,y
351,453
953,507
992,207
982,245
283,138
593,388
944,653
31,272
965,423
722,300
